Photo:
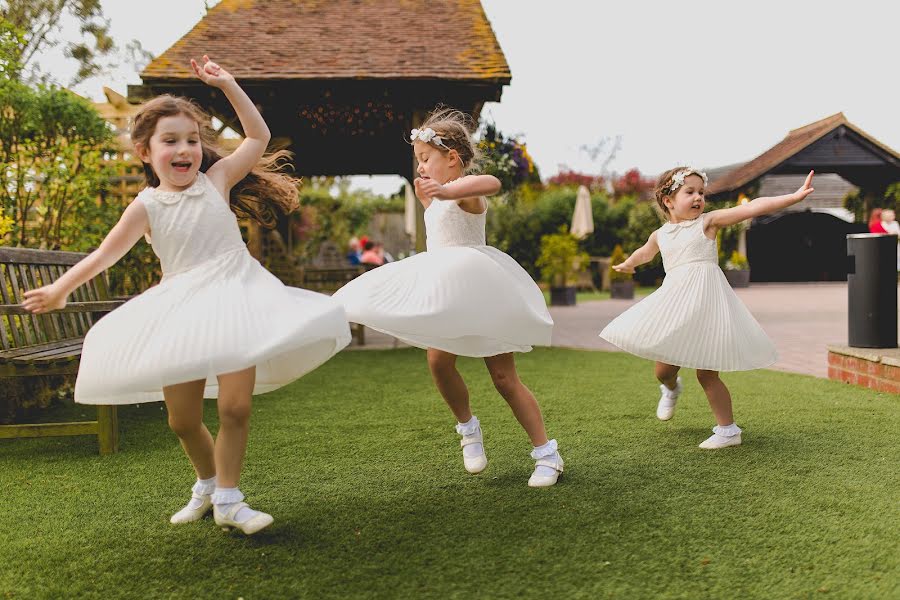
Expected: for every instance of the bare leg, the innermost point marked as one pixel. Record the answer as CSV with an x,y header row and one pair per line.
x,y
450,383
520,399
667,374
235,393
718,396
184,403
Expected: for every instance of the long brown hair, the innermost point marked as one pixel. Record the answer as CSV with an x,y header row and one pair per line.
x,y
266,190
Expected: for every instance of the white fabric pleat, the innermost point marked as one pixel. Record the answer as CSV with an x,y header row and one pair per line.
x,y
694,319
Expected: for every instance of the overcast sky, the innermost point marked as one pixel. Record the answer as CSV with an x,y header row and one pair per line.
x,y
699,82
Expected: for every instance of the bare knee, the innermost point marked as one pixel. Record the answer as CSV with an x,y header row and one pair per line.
x,y
665,372
707,378
505,381
184,426
234,412
441,363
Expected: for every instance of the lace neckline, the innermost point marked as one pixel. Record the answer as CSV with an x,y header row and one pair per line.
x,y
195,189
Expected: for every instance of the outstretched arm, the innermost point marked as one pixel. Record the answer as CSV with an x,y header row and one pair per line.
x,y
761,206
131,226
234,167
642,255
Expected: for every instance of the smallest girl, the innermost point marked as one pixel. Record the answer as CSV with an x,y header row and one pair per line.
x,y
694,319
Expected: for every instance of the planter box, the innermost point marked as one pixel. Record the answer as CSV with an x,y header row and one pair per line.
x,y
623,290
738,279
564,296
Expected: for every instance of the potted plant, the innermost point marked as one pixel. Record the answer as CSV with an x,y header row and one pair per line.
x,y
560,262
737,270
621,285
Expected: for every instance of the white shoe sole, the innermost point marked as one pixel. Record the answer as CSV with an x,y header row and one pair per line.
x,y
248,527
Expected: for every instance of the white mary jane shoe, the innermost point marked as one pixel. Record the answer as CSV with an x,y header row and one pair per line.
x,y
555,462
474,464
255,523
665,410
188,514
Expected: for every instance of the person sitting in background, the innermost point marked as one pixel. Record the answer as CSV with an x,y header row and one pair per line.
x,y
371,255
875,225
890,225
353,253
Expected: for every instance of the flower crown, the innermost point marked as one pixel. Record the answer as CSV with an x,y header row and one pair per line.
x,y
427,135
678,178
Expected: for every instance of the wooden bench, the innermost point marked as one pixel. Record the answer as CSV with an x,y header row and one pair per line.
x,y
50,344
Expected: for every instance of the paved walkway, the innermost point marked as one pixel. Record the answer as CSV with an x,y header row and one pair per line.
x,y
802,319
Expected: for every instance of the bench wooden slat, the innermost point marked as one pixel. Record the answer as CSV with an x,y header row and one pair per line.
x,y
26,319
39,322
31,256
5,294
71,307
50,429
54,318
61,344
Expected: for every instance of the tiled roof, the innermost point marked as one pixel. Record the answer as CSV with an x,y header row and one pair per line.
x,y
341,39
795,141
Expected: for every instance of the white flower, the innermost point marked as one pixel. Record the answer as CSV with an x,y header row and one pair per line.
x,y
678,178
426,135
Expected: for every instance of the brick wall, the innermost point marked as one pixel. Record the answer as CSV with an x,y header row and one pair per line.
x,y
872,374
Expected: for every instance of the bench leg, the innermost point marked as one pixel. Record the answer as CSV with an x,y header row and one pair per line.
x,y
362,334
108,429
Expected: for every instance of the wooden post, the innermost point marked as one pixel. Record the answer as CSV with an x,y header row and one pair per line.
x,y
107,429
418,118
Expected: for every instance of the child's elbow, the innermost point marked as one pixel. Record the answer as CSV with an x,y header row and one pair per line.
x,y
493,184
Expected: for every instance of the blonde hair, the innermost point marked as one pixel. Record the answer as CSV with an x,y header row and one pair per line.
x,y
264,193
455,128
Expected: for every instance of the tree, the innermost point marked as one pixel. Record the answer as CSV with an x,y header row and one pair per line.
x,y
51,167
40,22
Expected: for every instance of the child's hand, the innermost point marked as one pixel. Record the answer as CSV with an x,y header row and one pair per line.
x,y
429,189
623,268
43,299
806,189
211,73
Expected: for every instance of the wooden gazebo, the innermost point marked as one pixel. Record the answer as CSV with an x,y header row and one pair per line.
x,y
341,82
806,243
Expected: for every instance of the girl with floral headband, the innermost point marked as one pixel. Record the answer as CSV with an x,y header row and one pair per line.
x,y
218,325
694,319
461,297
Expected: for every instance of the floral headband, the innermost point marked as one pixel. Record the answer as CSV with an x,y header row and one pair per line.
x,y
427,135
678,178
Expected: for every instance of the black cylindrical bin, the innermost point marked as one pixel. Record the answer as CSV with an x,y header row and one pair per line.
x,y
872,290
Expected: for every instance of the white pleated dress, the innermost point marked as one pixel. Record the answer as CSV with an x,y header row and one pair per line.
x,y
694,319
215,311
461,296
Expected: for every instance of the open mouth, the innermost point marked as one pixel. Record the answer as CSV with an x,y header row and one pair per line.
x,y
181,166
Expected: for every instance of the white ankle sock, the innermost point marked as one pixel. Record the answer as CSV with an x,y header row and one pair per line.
x,y
225,498
471,427
202,487
548,450
727,431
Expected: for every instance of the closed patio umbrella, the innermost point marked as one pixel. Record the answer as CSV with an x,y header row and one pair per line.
x,y
583,217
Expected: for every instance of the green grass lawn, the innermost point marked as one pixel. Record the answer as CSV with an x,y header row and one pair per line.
x,y
639,292
361,468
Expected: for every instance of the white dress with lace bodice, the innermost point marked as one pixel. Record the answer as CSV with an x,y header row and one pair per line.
x,y
694,319
215,311
461,296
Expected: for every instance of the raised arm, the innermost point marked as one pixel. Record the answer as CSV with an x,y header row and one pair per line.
x,y
760,206
131,226
642,255
234,167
